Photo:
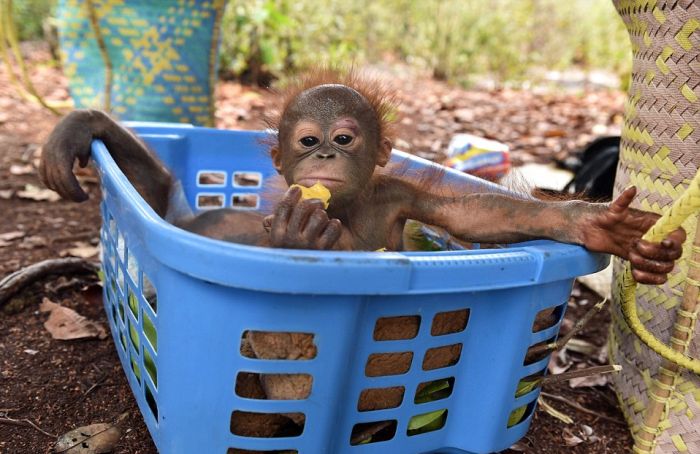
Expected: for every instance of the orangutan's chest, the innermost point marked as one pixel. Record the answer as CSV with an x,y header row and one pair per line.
x,y
376,231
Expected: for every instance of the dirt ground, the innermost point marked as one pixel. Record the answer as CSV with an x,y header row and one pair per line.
x,y
48,387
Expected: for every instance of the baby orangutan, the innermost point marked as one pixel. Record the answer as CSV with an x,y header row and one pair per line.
x,y
335,130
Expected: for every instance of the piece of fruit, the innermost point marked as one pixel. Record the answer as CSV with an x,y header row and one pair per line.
x,y
317,191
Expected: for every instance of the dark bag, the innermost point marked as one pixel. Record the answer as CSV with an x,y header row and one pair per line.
x,y
594,169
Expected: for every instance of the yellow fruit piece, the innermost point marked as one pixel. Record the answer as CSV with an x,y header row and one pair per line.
x,y
317,191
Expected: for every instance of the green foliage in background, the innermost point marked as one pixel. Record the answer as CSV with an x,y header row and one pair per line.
x,y
507,40
455,39
29,16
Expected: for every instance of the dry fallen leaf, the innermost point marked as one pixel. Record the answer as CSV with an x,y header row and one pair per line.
x,y
16,169
587,382
32,192
6,194
14,235
33,242
559,362
520,447
93,439
66,324
571,439
81,249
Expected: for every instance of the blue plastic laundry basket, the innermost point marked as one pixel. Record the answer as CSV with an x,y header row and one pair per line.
x,y
179,304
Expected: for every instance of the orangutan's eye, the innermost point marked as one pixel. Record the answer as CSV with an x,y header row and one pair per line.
x,y
342,139
309,141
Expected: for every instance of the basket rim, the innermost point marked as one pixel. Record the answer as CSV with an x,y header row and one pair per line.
x,y
335,272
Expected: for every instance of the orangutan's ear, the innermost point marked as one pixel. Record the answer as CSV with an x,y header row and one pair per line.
x,y
276,158
384,152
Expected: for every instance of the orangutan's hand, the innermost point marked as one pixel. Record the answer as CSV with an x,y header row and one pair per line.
x,y
301,224
618,230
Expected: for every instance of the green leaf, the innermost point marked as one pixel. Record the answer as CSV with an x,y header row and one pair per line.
x,y
267,52
525,387
149,330
516,415
432,392
420,423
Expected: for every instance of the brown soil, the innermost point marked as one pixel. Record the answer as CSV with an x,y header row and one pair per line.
x,y
62,385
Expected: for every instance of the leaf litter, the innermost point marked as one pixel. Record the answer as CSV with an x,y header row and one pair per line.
x,y
66,324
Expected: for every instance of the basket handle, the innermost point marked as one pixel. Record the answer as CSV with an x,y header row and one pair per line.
x,y
687,204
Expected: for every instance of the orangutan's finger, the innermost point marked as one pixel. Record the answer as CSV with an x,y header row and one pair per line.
x,y
644,277
622,202
653,266
659,251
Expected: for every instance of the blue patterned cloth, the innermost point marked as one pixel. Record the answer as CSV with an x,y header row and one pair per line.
x,y
163,54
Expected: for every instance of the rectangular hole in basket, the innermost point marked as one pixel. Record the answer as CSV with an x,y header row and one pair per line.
x,y
121,246
121,312
115,314
120,279
150,365
546,318
212,178
149,293
113,261
247,179
396,328
430,391
373,432
449,322
439,357
245,201
427,422
538,352
112,226
122,341
149,329
372,399
136,369
528,384
134,336
520,414
133,304
208,201
151,401
382,364
255,451
278,345
112,283
267,425
132,268
278,386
